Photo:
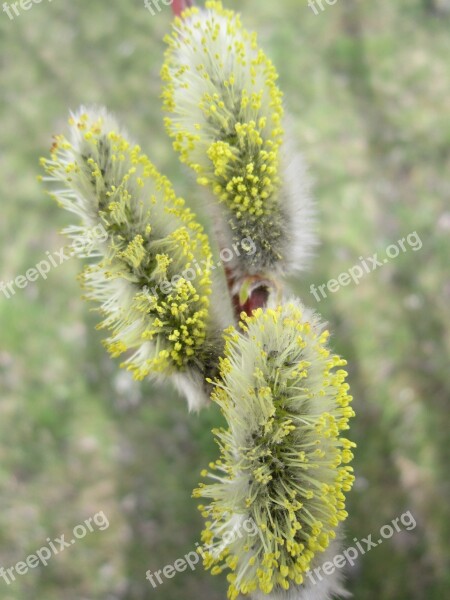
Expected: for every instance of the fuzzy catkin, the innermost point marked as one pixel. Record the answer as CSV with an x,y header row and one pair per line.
x,y
153,279
226,118
284,462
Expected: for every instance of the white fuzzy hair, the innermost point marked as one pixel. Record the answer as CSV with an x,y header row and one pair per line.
x,y
327,588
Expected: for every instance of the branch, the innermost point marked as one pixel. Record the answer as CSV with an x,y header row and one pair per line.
x,y
178,6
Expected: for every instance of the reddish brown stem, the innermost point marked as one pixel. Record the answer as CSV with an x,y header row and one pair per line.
x,y
178,6
257,290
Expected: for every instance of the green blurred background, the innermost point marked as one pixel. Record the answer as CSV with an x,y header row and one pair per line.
x,y
368,88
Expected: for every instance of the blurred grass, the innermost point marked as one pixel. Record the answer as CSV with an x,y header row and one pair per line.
x,y
368,88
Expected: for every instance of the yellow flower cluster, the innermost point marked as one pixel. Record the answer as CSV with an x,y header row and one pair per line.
x,y
283,461
152,310
226,114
